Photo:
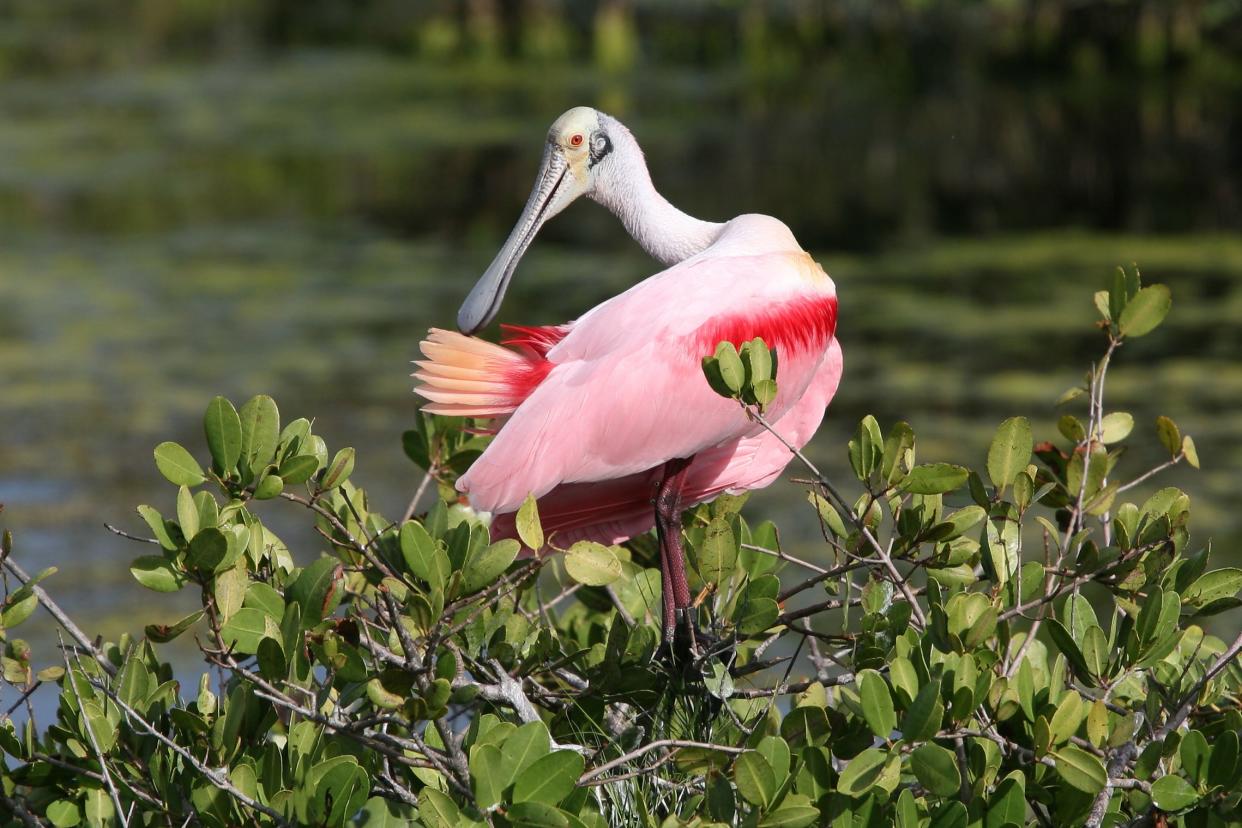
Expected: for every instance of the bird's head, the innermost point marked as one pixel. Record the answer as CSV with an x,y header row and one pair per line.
x,y
576,158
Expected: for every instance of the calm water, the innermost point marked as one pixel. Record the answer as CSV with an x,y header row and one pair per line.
x,y
292,227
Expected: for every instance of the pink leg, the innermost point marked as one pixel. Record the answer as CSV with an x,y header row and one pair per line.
x,y
672,558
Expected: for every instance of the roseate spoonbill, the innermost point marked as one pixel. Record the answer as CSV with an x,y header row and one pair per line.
x,y
618,395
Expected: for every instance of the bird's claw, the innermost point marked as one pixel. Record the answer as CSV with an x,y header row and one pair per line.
x,y
685,643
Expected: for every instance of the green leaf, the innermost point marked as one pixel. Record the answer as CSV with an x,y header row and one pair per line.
x,y
1172,794
796,811
1071,428
436,810
247,628
229,590
177,465
273,665
262,596
224,434
936,478
866,449
732,372
764,391
488,775
1195,753
776,751
1095,651
1080,769
260,434
717,553
1188,448
187,513
1066,644
550,778
1010,451
828,514
486,566
877,703
298,469
529,528
535,815
339,470
1214,585
757,615
163,633
936,769
316,590
1068,716
524,746
155,520
805,725
923,717
19,606
754,778
155,572
64,813
340,788
757,361
418,549
1104,305
1169,434
1007,804
1078,616
862,772
898,454
1116,427
1145,310
592,564
207,550
1223,762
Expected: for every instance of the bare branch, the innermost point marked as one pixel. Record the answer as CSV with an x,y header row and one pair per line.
x,y
75,632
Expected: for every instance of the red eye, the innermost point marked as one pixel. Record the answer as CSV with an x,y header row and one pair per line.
x,y
576,141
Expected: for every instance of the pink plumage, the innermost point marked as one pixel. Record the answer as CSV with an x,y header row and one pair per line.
x,y
614,511
624,390
608,420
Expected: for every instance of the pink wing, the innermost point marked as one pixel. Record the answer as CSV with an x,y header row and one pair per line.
x,y
625,392
613,511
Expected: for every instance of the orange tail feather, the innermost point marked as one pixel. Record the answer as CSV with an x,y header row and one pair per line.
x,y
467,377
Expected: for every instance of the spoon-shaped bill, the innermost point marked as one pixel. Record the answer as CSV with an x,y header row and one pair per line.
x,y
483,303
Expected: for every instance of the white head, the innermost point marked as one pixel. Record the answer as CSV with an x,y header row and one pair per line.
x,y
577,161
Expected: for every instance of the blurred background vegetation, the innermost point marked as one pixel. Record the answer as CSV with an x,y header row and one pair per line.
x,y
279,196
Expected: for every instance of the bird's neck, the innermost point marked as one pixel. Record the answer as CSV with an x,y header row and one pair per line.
x,y
666,233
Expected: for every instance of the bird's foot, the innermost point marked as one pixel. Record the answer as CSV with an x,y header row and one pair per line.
x,y
688,646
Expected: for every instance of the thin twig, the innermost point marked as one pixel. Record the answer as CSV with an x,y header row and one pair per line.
x,y
898,579
1151,473
418,495
75,632
114,530
656,745
218,779
90,733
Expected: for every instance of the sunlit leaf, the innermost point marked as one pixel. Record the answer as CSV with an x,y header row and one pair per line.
x,y
592,564
1010,451
177,465
1145,310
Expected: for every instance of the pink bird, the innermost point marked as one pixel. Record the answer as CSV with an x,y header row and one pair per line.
x,y
610,414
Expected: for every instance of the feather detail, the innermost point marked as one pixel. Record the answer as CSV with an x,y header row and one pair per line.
x,y
467,377
538,339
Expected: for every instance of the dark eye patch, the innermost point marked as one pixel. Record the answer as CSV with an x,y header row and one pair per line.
x,y
600,147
